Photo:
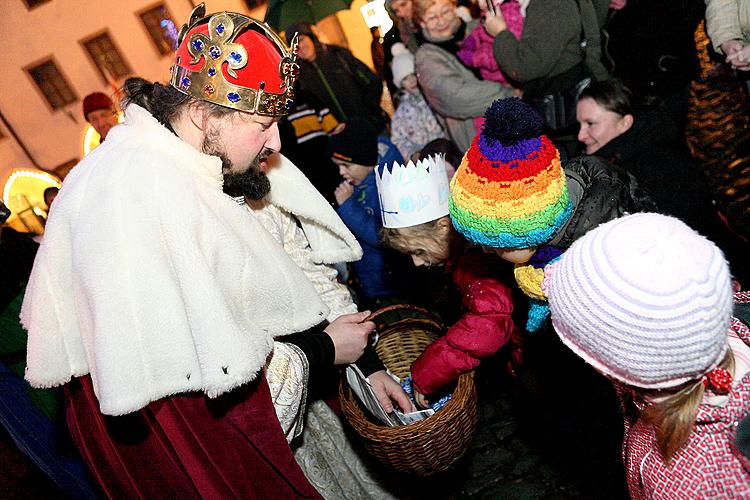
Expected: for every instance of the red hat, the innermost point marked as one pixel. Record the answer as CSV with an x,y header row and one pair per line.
x,y
95,102
235,61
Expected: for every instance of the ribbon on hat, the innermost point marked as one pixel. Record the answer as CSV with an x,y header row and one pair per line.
x,y
718,381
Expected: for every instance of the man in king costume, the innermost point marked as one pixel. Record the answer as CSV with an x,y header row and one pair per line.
x,y
172,316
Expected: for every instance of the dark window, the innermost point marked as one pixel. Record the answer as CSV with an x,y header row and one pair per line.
x,y
161,28
109,62
52,83
30,4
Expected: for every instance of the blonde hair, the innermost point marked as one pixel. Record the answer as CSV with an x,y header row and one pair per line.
x,y
421,6
425,235
673,416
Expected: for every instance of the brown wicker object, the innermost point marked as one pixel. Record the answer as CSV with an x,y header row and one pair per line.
x,y
431,445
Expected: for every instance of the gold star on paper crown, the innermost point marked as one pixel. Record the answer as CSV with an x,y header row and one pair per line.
x,y
218,47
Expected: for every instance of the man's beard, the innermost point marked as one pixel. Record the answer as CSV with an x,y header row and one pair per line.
x,y
252,183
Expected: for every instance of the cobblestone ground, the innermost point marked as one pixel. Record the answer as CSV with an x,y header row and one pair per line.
x,y
512,458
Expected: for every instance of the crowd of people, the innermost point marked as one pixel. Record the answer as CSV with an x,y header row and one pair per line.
x,y
208,269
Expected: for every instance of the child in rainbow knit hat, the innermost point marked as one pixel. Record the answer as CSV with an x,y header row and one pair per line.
x,y
512,195
414,209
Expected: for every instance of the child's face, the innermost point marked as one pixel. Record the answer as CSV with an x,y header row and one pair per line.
x,y
434,250
514,255
409,82
354,173
434,254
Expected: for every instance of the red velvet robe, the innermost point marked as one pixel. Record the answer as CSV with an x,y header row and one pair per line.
x,y
188,446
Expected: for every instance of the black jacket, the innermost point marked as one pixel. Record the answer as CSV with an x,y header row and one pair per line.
x,y
344,84
654,154
600,192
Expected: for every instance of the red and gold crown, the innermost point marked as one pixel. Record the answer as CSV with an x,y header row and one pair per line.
x,y
235,61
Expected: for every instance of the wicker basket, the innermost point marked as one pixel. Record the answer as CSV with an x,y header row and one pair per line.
x,y
431,445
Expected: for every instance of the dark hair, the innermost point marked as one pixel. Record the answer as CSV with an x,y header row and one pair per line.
x,y
4,212
614,95
305,28
164,102
442,146
49,192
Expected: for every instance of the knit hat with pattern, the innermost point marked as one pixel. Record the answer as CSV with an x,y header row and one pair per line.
x,y
645,300
510,190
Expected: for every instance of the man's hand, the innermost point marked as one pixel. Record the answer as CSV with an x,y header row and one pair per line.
x,y
494,24
349,336
389,392
343,192
617,4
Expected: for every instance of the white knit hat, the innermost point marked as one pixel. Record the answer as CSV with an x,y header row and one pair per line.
x,y
645,300
403,63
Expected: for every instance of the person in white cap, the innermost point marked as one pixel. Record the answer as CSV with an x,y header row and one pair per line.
x,y
413,124
648,302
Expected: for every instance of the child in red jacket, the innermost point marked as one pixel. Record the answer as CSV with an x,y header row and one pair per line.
x,y
414,208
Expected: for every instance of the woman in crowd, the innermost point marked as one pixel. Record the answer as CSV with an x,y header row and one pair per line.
x,y
639,137
455,94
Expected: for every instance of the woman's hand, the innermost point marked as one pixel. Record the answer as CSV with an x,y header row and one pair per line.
x,y
389,392
349,335
494,24
739,59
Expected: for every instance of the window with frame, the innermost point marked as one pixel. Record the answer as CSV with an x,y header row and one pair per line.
x,y
108,60
51,82
161,28
30,4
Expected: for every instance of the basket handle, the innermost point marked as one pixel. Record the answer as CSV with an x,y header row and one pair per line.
x,y
395,307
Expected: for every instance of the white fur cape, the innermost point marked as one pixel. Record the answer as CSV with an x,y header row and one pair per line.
x,y
153,281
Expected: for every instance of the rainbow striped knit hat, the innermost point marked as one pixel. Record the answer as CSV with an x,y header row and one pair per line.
x,y
510,190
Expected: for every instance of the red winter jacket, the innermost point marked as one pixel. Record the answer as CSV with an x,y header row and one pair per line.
x,y
482,330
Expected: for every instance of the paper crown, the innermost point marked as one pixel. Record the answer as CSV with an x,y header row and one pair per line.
x,y
235,61
413,194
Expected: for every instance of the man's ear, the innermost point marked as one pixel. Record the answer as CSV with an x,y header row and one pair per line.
x,y
198,116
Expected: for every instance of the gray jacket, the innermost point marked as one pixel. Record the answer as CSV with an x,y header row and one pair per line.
x,y
727,20
453,92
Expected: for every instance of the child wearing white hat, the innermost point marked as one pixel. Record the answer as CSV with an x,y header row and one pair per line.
x,y
414,209
413,124
648,302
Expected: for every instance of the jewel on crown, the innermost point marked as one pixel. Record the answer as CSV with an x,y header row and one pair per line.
x,y
413,194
